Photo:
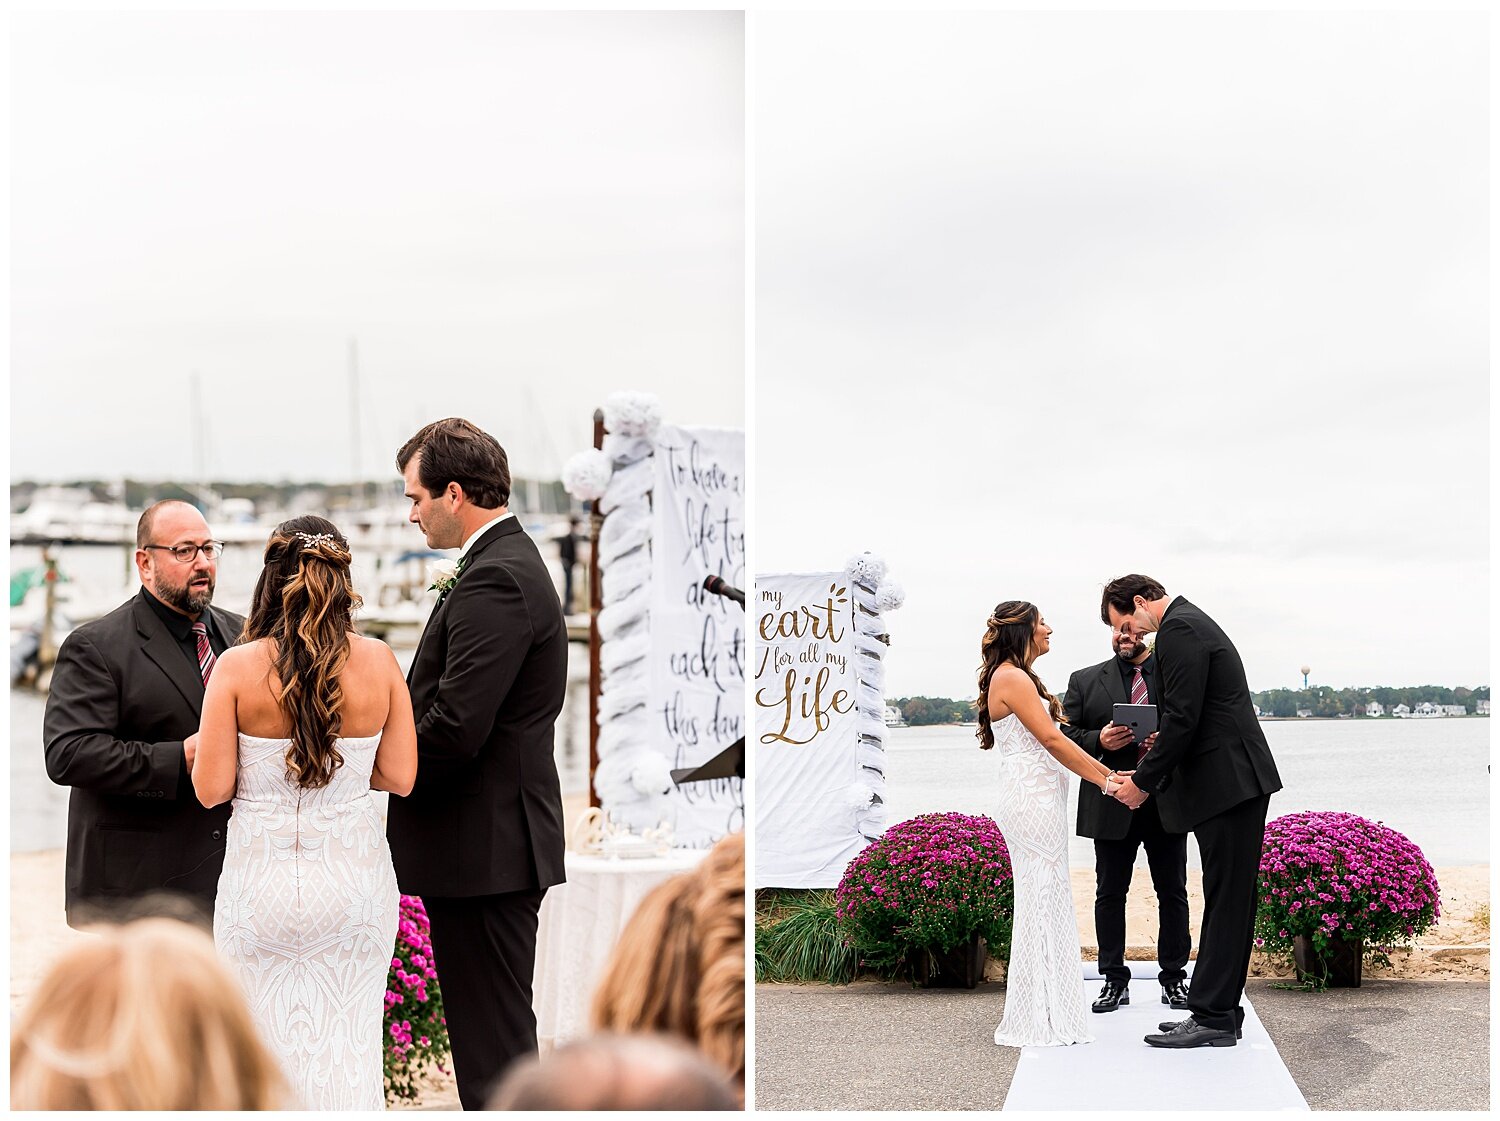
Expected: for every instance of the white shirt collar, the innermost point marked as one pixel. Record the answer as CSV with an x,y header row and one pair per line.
x,y
481,531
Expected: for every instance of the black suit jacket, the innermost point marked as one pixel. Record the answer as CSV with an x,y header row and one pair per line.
x,y
1210,753
1090,704
122,700
487,684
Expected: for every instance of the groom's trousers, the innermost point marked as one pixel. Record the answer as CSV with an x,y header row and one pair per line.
x,y
485,953
1230,845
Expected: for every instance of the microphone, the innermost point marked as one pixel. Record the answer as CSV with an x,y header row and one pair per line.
x,y
716,585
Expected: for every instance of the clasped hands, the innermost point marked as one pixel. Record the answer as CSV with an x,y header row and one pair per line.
x,y
1119,786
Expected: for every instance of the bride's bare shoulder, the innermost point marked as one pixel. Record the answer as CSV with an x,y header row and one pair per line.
x,y
1005,678
1006,675
370,652
255,653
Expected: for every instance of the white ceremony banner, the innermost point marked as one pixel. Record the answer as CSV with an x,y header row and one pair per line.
x,y
809,788
696,698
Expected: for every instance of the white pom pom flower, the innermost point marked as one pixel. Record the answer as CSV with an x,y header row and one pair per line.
x,y
632,414
856,796
866,569
586,475
890,596
651,775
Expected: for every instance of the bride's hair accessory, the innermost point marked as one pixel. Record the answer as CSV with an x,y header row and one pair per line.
x,y
324,545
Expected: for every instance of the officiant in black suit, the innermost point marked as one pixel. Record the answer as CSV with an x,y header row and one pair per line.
x,y
1119,832
121,728
1212,773
480,837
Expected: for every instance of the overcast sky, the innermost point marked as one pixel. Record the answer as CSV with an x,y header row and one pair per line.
x,y
514,214
1045,299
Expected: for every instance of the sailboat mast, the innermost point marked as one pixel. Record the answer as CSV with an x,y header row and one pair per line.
x,y
356,496
200,441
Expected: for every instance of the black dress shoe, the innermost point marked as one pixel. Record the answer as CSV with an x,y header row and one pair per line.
x,y
1168,1025
1190,1033
1174,994
1113,995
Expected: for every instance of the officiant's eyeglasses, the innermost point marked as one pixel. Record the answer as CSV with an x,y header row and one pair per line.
x,y
184,554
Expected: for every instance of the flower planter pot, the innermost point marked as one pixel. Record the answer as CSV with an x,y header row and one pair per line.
x,y
1340,966
959,968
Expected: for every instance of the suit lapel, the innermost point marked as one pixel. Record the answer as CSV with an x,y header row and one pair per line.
x,y
228,628
158,645
486,541
427,628
1113,685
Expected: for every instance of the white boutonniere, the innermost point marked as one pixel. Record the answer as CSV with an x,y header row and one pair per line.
x,y
444,575
1150,641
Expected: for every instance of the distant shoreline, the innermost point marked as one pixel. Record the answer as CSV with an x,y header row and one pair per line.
x,y
1403,719
1261,719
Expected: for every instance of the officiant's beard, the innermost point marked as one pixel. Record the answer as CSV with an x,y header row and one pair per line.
x,y
181,596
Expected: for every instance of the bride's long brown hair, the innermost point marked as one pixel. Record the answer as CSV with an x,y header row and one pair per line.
x,y
304,603
1007,638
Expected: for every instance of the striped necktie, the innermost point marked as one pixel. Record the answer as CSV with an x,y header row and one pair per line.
x,y
1138,697
206,657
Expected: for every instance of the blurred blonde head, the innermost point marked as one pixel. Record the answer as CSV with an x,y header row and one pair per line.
x,y
680,965
140,1016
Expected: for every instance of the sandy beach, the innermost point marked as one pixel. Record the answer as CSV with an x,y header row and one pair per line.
x,y
1457,948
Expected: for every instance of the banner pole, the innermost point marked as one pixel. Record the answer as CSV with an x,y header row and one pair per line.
x,y
595,599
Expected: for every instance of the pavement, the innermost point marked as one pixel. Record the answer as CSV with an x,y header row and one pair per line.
x,y
1388,1045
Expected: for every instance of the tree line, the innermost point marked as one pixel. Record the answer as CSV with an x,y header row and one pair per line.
x,y
919,711
1324,700
1320,700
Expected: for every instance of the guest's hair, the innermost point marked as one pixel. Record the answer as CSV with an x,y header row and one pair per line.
x,y
142,1016
304,603
1120,594
679,966
456,451
1007,638
147,523
615,1072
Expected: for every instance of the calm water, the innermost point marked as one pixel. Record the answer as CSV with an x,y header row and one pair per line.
x,y
1428,779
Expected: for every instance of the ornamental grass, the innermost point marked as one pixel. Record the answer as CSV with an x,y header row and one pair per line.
x,y
1337,876
930,883
415,1031
798,939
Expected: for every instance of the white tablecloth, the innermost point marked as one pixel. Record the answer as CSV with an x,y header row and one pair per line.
x,y
580,923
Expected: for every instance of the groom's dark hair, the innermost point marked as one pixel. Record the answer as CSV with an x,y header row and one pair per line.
x,y
1120,593
455,451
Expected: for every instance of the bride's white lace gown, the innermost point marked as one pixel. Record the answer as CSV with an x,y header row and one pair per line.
x,y
1044,997
306,914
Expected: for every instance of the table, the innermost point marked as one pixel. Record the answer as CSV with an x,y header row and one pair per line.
x,y
580,923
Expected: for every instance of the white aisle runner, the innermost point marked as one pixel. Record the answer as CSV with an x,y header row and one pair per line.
x,y
1118,1071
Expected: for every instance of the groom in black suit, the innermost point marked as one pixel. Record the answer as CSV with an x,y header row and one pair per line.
x,y
480,837
1212,773
121,728
1120,832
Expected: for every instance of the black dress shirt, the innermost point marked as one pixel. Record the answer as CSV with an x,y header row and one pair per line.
x,y
181,628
